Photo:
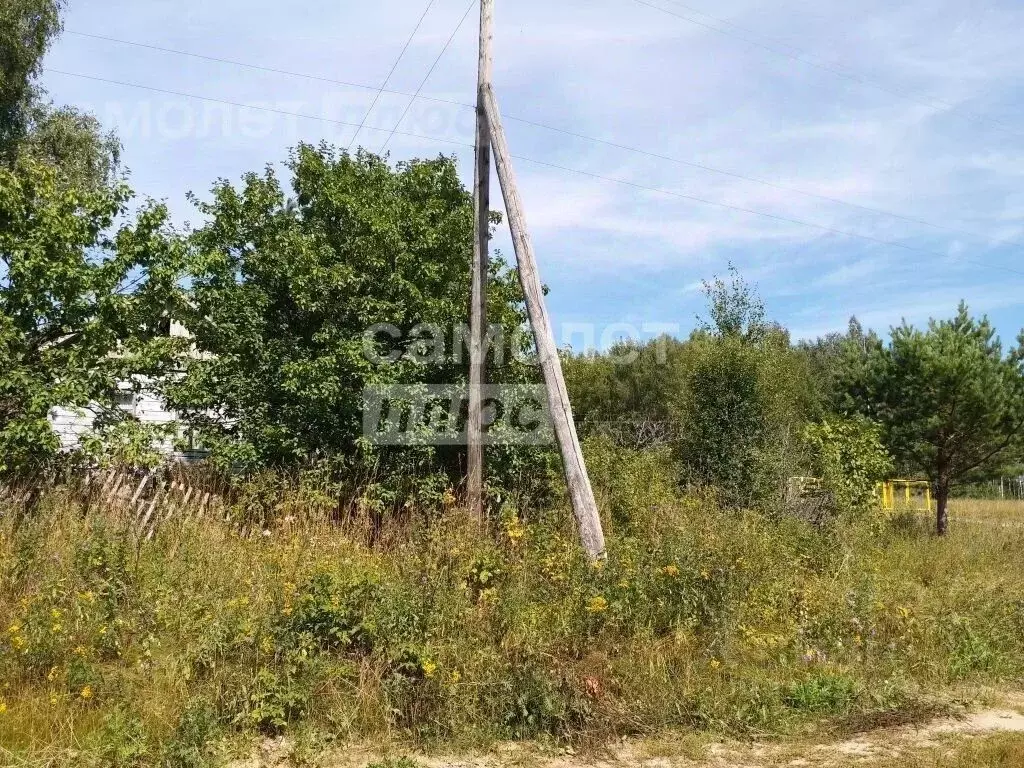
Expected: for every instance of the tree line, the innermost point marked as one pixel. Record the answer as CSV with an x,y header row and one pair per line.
x,y
281,283
745,408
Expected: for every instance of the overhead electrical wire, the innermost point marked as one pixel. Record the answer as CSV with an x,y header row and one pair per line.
x,y
803,57
809,59
578,171
394,66
259,67
243,105
574,134
426,77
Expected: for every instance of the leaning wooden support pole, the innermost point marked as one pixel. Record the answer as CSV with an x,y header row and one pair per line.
x,y
478,300
583,504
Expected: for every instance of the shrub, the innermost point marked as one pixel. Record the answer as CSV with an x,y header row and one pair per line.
x,y
822,693
849,456
330,613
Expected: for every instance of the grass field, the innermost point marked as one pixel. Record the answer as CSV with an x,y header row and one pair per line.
x,y
1005,512
192,647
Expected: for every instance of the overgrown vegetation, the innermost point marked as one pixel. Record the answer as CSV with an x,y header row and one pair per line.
x,y
344,594
300,304
744,410
120,652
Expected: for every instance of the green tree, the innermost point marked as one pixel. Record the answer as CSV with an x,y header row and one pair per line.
x,y
30,126
829,361
625,393
731,400
950,401
735,309
75,144
740,398
739,405
71,323
284,289
27,28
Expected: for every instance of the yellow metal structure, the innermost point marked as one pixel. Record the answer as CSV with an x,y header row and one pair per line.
x,y
905,495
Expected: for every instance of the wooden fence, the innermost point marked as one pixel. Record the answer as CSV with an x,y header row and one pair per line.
x,y
147,499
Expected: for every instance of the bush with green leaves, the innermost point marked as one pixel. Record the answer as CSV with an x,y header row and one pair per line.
x,y
849,457
729,402
300,303
69,329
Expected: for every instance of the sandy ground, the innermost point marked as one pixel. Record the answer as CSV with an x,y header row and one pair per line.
x,y
882,745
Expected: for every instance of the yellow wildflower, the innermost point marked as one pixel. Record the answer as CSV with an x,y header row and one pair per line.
x,y
454,677
597,605
86,692
3,707
80,650
515,530
53,674
715,663
671,570
429,668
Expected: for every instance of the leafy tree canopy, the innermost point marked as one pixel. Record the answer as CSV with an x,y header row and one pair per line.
x,y
69,329
27,27
849,457
285,290
63,137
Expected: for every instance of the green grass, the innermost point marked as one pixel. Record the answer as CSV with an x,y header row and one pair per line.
x,y
118,652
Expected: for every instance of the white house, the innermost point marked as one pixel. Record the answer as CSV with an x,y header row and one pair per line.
x,y
71,424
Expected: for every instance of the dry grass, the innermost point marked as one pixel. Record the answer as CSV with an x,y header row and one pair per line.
x,y
1009,512
115,651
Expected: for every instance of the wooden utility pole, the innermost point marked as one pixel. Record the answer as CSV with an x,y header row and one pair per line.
x,y
583,504
478,302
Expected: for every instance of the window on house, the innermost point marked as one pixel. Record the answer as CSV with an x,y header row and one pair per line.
x,y
124,399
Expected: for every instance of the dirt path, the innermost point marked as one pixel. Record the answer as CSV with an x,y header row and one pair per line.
x,y
883,747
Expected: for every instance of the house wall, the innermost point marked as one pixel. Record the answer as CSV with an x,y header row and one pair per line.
x,y
71,425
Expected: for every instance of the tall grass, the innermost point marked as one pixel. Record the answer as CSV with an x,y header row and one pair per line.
x,y
116,651
1005,512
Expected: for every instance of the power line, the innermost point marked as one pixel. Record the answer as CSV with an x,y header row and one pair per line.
x,y
574,134
936,105
124,289
741,209
242,105
261,68
426,77
771,184
387,79
567,169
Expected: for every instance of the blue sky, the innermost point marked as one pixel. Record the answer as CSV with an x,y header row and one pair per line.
x,y
915,108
